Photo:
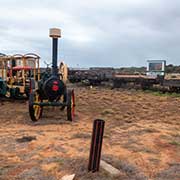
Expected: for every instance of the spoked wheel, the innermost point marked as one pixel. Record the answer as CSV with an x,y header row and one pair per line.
x,y
35,111
64,99
70,105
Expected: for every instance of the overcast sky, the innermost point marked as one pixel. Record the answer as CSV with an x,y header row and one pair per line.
x,y
94,32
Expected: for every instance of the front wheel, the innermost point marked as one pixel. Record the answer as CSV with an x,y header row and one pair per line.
x,y
35,111
70,105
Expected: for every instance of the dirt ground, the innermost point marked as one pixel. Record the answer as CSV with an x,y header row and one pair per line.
x,y
141,139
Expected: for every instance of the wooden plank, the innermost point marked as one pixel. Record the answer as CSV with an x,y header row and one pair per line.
x,y
110,169
68,177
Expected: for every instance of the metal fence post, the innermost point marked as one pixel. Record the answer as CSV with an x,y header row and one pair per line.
x,y
96,145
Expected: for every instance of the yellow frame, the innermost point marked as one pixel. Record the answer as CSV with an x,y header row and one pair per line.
x,y
4,60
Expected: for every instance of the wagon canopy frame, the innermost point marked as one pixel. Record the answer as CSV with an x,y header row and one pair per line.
x,y
6,63
17,70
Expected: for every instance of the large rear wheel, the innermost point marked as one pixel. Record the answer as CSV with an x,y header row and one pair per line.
x,y
35,111
70,105
64,99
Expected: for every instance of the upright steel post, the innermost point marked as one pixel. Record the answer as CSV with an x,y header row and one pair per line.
x,y
96,145
55,34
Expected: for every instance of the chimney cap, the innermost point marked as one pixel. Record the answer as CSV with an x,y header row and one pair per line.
x,y
55,33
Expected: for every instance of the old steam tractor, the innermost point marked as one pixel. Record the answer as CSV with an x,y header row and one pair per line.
x,y
51,90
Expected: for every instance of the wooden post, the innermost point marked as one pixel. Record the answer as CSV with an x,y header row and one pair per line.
x,y
96,145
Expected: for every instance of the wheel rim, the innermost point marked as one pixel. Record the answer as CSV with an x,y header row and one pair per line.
x,y
37,108
73,104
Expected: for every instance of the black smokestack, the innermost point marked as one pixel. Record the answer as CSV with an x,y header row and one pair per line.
x,y
55,34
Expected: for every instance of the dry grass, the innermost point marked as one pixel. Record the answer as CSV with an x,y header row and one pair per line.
x,y
141,137
131,171
81,135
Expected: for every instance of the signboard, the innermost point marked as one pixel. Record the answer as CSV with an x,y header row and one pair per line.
x,y
156,67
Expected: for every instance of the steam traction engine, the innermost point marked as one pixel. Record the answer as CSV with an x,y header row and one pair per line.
x,y
51,90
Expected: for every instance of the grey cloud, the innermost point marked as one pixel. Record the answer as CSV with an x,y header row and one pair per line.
x,y
95,33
